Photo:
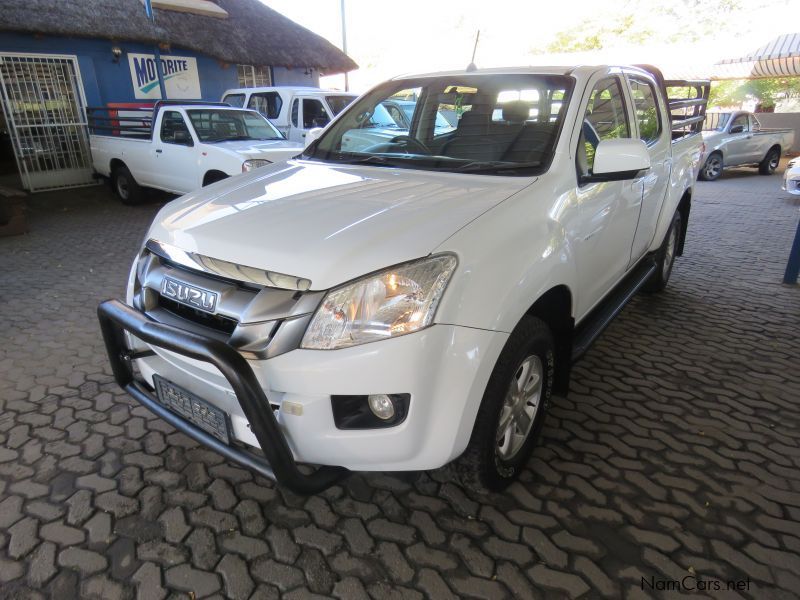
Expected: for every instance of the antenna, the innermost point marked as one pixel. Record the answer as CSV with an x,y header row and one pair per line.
x,y
471,66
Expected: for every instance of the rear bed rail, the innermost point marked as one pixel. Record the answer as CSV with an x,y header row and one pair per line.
x,y
687,100
128,122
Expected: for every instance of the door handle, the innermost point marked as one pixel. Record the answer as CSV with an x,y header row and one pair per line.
x,y
158,150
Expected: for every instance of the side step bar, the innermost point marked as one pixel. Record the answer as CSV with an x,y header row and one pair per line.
x,y
601,316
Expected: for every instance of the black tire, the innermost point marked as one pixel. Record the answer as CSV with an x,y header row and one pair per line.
x,y
125,186
770,162
482,467
712,168
665,257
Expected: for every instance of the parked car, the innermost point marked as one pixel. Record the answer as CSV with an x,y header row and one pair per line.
x,y
735,139
390,119
293,110
791,177
180,147
402,111
401,307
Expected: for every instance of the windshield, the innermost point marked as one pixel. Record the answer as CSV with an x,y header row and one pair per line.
x,y
339,103
503,125
214,126
716,121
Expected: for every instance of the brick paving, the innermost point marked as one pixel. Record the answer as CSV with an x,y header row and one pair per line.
x,y
676,453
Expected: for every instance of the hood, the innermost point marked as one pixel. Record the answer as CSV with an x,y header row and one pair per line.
x,y
267,149
328,223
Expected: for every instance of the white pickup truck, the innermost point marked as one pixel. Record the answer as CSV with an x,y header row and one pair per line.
x,y
735,139
293,110
180,147
417,300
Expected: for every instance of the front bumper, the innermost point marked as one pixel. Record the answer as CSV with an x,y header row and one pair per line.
x,y
444,368
116,318
791,182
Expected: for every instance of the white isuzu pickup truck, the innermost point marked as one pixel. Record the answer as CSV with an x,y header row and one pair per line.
x,y
417,300
179,147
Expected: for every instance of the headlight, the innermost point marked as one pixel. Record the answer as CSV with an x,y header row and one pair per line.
x,y
399,300
254,163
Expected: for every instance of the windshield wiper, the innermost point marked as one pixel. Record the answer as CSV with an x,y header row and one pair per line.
x,y
370,159
476,166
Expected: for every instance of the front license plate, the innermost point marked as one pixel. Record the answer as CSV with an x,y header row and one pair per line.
x,y
195,410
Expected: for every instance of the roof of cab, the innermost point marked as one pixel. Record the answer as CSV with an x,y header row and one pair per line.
x,y
288,88
577,70
545,70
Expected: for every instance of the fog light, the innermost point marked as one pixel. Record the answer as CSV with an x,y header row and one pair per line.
x,y
381,406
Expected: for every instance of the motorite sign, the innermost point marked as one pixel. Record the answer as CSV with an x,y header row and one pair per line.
x,y
180,77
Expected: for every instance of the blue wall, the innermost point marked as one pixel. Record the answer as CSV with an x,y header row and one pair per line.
x,y
105,81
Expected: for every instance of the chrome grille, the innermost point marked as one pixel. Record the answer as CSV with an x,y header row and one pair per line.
x,y
260,321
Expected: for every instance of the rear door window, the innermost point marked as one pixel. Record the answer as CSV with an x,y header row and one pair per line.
x,y
646,107
267,103
236,100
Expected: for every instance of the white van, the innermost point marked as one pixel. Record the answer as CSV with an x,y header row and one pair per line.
x,y
293,110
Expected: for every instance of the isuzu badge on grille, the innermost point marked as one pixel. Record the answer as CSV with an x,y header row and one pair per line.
x,y
189,295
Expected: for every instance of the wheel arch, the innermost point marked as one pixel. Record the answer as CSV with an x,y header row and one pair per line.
x,y
115,164
554,307
214,175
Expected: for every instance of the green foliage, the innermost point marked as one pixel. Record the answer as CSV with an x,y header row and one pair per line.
x,y
649,21
592,35
766,91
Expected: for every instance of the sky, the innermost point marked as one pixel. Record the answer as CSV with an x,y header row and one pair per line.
x,y
415,36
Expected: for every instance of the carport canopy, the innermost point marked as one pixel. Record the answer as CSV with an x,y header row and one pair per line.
x,y
778,58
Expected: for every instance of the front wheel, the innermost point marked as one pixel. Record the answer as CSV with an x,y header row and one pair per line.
x,y
712,168
513,409
770,162
665,257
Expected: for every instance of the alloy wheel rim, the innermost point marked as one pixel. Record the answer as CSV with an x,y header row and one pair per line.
x,y
773,164
712,167
520,407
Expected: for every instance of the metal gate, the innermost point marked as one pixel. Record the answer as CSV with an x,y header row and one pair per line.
x,y
44,106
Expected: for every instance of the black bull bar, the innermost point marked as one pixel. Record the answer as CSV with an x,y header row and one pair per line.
x,y
117,317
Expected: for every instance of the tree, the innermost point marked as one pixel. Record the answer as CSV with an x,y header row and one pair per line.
x,y
651,21
766,92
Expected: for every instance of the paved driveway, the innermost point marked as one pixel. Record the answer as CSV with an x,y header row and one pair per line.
x,y
676,454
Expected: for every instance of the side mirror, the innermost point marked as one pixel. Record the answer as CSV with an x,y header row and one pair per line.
x,y
737,129
618,159
313,135
183,137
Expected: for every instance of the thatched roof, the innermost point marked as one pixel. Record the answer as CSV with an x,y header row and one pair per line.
x,y
252,34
